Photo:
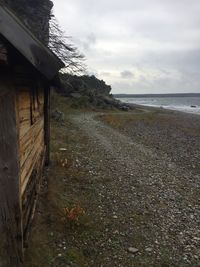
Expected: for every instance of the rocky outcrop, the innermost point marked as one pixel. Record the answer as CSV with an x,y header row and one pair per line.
x,y
89,91
83,85
35,14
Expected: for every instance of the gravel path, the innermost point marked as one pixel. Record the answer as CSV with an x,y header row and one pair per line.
x,y
149,207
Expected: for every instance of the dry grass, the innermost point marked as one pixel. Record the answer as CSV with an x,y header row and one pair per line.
x,y
148,117
119,120
62,213
58,215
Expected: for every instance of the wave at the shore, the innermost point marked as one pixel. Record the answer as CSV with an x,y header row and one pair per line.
x,y
184,104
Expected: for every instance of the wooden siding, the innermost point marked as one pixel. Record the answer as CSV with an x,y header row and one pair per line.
x,y
11,250
31,131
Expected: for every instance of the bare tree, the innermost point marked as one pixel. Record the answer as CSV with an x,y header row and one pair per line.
x,y
61,45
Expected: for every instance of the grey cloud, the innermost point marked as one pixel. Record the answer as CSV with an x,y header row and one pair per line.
x,y
126,74
158,40
180,60
161,85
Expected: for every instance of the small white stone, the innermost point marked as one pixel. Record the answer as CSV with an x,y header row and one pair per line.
x,y
148,249
59,255
133,250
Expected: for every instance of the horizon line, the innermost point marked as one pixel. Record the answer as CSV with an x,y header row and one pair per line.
x,y
156,93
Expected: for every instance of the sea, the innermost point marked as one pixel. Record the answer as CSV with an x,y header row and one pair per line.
x,y
187,104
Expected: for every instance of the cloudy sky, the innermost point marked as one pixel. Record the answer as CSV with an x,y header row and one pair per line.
x,y
137,46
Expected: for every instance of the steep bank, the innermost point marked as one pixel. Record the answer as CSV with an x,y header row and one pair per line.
x,y
88,91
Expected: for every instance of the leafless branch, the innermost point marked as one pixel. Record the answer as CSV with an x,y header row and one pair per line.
x,y
61,45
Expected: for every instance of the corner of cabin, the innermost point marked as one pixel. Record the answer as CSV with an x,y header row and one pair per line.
x,y
25,76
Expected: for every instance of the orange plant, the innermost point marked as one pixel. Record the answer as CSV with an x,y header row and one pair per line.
x,y
73,214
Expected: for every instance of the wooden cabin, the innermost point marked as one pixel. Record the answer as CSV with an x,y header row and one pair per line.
x,y
27,71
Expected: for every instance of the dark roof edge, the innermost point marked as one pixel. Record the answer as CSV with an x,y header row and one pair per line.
x,y
40,56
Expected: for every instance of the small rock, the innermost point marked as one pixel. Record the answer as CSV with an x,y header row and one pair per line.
x,y
133,250
57,115
148,249
62,149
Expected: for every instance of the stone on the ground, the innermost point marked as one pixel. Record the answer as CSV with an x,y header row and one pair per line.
x,y
133,250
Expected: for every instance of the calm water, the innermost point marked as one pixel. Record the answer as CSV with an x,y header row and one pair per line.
x,y
185,104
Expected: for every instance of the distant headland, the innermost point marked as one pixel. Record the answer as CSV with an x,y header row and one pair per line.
x,y
156,95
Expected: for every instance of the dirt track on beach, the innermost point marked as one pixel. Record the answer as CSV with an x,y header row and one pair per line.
x,y
142,204
152,203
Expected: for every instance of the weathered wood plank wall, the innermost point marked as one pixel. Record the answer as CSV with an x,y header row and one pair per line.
x,y
24,129
31,131
31,147
11,238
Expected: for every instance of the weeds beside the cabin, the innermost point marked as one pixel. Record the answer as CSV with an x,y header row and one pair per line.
x,y
72,214
61,216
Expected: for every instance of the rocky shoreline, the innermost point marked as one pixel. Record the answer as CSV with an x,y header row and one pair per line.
x,y
175,133
136,175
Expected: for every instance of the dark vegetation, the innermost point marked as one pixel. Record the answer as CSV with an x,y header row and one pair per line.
x,y
35,14
88,91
